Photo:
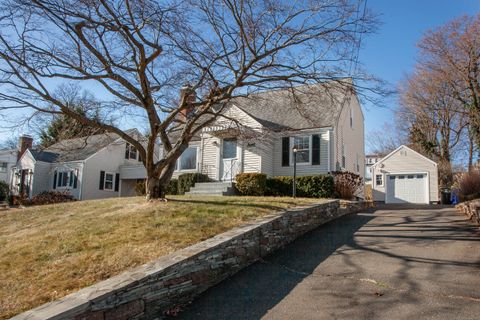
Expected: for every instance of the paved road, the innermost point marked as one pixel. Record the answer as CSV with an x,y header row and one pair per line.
x,y
392,263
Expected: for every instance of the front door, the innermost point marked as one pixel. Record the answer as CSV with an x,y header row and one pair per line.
x,y
229,164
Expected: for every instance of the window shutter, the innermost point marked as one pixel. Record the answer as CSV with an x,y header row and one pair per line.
x,y
55,180
285,151
75,179
117,181
315,149
102,180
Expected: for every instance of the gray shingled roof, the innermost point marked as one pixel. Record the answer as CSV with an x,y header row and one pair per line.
x,y
75,149
302,107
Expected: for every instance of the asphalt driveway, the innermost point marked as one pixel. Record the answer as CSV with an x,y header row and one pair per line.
x,y
391,263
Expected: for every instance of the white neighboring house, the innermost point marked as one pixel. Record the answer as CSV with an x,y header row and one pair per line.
x,y
370,160
327,129
88,168
405,176
7,161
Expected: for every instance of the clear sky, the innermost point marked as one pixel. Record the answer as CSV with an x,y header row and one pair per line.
x,y
391,53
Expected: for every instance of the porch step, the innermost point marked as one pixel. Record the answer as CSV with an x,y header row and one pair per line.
x,y
212,188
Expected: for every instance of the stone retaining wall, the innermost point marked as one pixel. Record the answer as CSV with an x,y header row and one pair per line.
x,y
153,289
471,209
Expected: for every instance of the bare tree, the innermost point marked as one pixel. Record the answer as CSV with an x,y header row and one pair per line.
x,y
385,140
452,52
142,52
434,118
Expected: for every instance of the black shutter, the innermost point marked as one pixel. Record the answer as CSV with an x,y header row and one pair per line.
x,y
75,179
117,181
102,180
285,151
315,149
55,180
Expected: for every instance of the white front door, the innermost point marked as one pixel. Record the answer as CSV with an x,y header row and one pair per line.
x,y
229,164
407,188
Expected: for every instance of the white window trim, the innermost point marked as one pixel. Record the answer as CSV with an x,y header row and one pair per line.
x,y
383,180
105,181
196,162
137,154
292,143
68,186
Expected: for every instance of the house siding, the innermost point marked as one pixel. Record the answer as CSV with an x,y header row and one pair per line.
x,y
9,157
75,166
352,137
411,162
302,169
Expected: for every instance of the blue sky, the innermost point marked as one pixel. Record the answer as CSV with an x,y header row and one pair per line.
x,y
392,52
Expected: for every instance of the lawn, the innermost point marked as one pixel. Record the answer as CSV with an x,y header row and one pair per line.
x,y
47,252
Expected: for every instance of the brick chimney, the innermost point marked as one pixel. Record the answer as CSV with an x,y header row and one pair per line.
x,y
190,97
25,142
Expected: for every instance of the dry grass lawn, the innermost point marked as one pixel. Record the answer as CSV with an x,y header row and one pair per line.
x,y
47,252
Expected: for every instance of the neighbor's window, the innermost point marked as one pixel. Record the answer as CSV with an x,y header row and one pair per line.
x,y
65,179
379,180
188,159
3,166
344,159
108,183
302,144
130,152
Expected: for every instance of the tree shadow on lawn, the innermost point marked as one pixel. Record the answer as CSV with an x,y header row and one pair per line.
x,y
234,203
253,291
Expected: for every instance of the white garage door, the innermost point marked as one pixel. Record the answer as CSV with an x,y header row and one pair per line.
x,y
407,188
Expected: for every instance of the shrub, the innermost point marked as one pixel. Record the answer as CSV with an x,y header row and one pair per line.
x,y
251,184
47,197
187,180
318,186
347,184
140,188
4,191
279,186
469,185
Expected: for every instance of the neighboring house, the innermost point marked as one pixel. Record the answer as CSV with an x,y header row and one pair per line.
x,y
7,161
370,160
88,168
326,126
405,176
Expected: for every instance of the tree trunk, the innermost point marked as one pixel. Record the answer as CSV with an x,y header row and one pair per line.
x,y
157,186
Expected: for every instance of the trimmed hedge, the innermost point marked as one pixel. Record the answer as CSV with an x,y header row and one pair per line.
x,y
318,186
251,184
48,197
187,180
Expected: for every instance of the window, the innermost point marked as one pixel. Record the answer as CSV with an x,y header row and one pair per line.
x,y
3,166
108,183
302,144
351,117
344,160
130,152
64,179
229,148
379,180
188,159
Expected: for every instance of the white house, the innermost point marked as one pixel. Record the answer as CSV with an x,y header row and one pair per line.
x,y
324,124
7,161
405,176
370,160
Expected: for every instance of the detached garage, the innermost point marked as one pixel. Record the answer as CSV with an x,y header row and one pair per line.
x,y
405,176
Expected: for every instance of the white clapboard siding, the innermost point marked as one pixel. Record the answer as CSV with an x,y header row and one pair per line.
x,y
302,169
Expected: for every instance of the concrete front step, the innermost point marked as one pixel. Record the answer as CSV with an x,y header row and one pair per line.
x,y
212,188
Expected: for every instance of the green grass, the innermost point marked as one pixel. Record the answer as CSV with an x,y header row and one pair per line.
x,y
47,252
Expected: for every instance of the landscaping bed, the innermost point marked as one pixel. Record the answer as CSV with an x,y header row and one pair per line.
x,y
47,252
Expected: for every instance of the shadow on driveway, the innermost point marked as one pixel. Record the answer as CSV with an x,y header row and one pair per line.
x,y
253,291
